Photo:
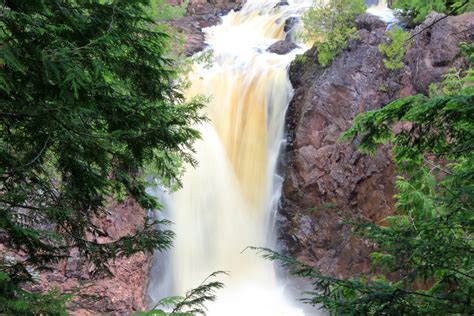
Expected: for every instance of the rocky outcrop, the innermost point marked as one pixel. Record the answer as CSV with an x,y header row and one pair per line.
x,y
436,49
282,3
282,47
285,46
320,170
201,14
369,22
121,294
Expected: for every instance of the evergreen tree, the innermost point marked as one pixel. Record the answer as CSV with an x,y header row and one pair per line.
x,y
88,97
330,25
193,303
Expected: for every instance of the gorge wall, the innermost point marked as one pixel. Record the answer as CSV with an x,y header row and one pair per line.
x,y
121,294
319,170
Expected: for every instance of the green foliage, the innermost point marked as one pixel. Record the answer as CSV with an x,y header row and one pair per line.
x,y
27,303
161,11
87,99
192,303
359,296
427,247
301,59
415,11
441,120
330,25
452,82
16,301
430,239
395,50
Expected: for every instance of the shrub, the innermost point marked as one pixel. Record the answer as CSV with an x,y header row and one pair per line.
x,y
330,26
415,11
396,49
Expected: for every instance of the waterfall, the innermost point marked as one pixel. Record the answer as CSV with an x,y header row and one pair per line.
x,y
226,202
381,9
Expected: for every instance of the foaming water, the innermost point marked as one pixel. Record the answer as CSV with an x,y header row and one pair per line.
x,y
226,201
382,10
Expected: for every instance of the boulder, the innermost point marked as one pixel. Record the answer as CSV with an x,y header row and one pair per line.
x,y
289,27
282,47
282,3
369,22
290,23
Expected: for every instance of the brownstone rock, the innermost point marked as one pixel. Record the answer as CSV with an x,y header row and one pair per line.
x,y
121,294
322,171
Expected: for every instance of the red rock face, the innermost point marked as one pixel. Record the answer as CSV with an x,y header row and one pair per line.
x,y
122,294
320,170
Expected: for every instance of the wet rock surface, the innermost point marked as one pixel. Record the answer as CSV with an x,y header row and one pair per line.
x,y
369,22
282,4
290,23
290,28
327,181
282,47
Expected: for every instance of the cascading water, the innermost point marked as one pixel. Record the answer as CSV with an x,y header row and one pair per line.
x,y
250,90
380,8
226,201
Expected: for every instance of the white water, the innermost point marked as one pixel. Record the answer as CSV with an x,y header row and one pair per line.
x,y
226,202
382,10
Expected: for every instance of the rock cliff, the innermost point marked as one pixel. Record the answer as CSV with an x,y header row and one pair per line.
x,y
121,294
327,181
